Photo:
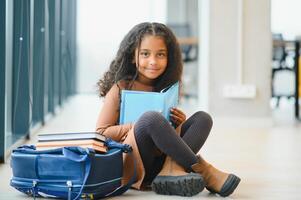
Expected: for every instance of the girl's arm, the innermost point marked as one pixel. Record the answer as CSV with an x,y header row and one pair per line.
x,y
108,117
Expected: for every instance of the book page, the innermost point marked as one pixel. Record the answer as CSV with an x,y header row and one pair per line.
x,y
135,103
171,99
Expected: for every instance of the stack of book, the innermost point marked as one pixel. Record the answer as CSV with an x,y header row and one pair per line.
x,y
91,140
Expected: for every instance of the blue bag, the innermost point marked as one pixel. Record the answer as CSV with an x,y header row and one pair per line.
x,y
70,172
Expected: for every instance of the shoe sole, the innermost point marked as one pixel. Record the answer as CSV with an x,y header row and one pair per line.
x,y
188,185
229,186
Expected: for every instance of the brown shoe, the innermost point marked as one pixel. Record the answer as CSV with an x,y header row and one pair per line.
x,y
216,181
173,180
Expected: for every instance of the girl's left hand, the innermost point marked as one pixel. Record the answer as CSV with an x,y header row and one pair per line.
x,y
177,116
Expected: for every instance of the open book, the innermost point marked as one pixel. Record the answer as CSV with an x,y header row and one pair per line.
x,y
135,103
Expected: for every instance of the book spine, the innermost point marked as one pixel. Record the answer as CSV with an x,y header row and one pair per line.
x,y
121,116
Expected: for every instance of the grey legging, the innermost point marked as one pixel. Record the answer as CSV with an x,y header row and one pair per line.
x,y
154,134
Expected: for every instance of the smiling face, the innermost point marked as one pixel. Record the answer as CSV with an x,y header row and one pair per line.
x,y
152,58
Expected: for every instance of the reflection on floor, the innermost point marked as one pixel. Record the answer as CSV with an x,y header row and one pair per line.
x,y
264,153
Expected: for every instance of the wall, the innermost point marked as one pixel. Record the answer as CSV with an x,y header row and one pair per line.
x,y
181,12
176,12
286,17
219,56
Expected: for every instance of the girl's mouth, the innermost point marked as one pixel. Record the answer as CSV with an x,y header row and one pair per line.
x,y
152,69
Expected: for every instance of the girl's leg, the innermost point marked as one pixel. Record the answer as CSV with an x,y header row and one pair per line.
x,y
152,160
157,132
195,130
154,133
194,133
164,137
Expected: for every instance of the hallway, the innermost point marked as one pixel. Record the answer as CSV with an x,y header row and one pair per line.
x,y
266,155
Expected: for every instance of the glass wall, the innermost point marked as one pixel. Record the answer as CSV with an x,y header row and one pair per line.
x,y
2,78
38,64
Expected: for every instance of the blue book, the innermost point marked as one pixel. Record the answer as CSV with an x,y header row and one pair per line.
x,y
135,103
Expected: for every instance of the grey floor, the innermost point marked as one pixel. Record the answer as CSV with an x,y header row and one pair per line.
x,y
265,153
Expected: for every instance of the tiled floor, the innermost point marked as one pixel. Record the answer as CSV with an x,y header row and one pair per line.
x,y
264,153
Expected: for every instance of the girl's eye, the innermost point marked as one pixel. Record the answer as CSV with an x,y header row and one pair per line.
x,y
144,54
161,55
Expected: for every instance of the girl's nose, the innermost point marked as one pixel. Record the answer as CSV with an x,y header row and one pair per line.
x,y
153,60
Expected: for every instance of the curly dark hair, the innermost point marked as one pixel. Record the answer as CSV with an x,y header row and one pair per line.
x,y
122,67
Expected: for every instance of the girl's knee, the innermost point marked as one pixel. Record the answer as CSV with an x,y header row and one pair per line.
x,y
203,117
151,118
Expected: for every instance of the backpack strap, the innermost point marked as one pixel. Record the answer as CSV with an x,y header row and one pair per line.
x,y
84,157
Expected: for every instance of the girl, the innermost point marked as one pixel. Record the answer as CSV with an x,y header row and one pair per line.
x,y
149,59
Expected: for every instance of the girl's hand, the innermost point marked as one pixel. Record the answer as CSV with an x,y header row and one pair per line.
x,y
177,116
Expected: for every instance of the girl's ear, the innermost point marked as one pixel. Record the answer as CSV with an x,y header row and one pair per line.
x,y
134,62
134,57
